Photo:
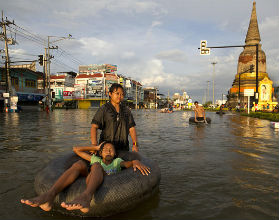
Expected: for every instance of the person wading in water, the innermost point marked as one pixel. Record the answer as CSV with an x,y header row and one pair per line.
x,y
199,113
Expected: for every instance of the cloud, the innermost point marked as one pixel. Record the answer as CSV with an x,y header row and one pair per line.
x,y
97,47
17,52
172,55
155,75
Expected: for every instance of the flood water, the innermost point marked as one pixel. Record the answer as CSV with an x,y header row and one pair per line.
x,y
224,170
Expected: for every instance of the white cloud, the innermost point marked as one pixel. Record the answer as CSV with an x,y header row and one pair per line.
x,y
154,75
17,52
96,47
172,55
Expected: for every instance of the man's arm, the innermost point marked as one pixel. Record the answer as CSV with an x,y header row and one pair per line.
x,y
204,116
94,134
195,115
133,134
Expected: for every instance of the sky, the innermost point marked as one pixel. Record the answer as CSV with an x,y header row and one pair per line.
x,y
152,41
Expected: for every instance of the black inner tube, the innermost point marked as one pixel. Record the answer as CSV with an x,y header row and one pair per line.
x,y
192,120
119,192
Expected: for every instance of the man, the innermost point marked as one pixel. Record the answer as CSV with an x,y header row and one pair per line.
x,y
116,122
199,113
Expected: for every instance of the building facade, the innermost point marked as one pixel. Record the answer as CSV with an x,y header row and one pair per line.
x,y
91,87
24,86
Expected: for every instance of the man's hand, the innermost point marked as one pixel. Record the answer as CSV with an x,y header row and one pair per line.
x,y
135,148
141,167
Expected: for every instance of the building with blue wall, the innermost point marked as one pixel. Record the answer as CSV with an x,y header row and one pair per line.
x,y
24,83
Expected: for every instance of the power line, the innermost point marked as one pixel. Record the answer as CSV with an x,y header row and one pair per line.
x,y
60,63
61,53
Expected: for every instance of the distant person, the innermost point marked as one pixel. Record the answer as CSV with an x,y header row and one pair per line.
x,y
170,109
221,109
106,164
238,107
47,109
199,113
115,121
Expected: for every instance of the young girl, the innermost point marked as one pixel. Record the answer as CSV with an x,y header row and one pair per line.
x,y
107,164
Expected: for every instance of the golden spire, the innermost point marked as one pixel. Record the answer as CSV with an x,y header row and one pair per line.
x,y
253,34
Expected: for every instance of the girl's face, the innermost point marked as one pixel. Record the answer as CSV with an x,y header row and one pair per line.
x,y
116,96
108,152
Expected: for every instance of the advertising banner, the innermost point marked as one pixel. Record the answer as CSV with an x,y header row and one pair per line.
x,y
67,95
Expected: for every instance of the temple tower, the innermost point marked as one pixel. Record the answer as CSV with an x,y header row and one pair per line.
x,y
246,76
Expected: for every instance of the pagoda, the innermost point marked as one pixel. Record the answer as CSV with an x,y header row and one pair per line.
x,y
246,70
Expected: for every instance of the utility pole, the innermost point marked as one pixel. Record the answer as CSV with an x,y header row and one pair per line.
x,y
45,75
136,96
7,62
47,65
213,63
208,89
156,98
168,97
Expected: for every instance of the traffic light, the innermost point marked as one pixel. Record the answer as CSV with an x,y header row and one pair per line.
x,y
41,59
53,95
203,49
252,68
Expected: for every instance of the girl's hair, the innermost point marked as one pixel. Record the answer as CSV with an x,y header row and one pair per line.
x,y
102,147
114,87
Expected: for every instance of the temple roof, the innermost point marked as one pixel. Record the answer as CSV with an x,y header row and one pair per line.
x,y
253,34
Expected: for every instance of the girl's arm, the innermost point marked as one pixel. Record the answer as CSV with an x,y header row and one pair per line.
x,y
83,151
136,164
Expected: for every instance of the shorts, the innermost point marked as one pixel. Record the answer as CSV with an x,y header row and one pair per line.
x,y
200,118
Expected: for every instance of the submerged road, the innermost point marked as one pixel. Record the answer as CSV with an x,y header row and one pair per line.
x,y
224,170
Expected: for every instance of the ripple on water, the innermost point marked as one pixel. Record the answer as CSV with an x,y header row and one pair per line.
x,y
225,170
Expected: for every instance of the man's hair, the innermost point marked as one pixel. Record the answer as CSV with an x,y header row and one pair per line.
x,y
114,87
196,102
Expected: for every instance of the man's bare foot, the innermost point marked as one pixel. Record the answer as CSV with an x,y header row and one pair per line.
x,y
82,202
44,201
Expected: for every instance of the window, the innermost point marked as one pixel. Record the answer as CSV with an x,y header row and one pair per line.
x,y
14,81
30,83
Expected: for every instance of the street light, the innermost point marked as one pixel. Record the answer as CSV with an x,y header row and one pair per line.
x,y
208,89
213,63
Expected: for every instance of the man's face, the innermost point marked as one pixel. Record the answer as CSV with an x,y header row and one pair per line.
x,y
117,95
